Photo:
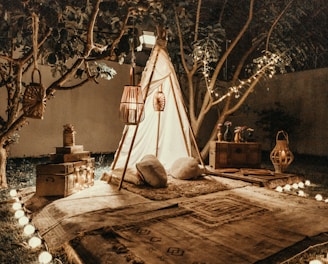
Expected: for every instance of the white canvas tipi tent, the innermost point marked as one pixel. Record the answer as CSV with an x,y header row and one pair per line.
x,y
166,134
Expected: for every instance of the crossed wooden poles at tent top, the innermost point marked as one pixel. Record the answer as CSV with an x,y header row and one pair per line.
x,y
137,126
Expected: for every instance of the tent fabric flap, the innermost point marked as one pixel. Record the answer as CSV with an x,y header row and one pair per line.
x,y
165,133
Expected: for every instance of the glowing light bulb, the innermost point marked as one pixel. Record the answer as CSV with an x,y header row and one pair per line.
x,y
318,197
315,261
45,257
279,189
13,193
301,184
23,220
295,186
29,229
307,183
301,193
19,213
287,187
34,242
17,206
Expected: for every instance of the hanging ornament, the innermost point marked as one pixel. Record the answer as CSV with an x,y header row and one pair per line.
x,y
159,100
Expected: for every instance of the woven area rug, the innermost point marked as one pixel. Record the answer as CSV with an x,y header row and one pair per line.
x,y
202,230
177,188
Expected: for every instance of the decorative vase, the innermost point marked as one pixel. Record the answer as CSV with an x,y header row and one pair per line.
x,y
219,135
219,132
68,135
228,135
281,156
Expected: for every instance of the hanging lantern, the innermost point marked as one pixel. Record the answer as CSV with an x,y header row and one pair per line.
x,y
159,100
132,105
281,157
34,100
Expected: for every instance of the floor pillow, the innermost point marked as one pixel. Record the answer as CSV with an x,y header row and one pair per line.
x,y
185,168
152,171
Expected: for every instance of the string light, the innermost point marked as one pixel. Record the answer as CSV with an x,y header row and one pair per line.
x,y
266,65
19,213
34,242
29,229
13,193
17,206
23,220
45,257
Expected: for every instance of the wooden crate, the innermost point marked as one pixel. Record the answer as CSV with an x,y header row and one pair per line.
x,y
69,157
234,155
69,149
55,185
55,168
63,179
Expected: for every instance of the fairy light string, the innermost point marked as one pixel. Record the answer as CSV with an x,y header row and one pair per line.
x,y
265,65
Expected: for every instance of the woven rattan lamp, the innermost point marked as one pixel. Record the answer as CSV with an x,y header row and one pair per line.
x,y
281,157
132,104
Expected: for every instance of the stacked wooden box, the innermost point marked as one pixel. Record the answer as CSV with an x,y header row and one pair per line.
x,y
234,155
71,170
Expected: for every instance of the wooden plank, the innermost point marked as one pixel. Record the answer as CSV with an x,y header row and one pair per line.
x,y
69,149
70,157
55,168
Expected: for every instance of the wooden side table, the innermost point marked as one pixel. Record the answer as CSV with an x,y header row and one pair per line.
x,y
234,155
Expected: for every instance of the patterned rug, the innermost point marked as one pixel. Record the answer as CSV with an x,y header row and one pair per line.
x,y
176,188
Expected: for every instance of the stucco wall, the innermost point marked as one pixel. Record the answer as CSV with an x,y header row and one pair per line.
x,y
93,110
305,96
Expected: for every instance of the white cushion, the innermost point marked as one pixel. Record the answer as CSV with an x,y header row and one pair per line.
x,y
152,171
185,168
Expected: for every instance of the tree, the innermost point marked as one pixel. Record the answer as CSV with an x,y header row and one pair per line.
x,y
70,37
261,38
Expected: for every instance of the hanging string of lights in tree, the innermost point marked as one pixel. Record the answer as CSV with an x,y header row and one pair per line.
x,y
265,65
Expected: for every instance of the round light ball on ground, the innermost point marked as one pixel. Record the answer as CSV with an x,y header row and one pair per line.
x,y
45,257
34,242
29,229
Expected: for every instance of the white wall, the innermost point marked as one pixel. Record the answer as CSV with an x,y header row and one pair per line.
x,y
92,109
305,96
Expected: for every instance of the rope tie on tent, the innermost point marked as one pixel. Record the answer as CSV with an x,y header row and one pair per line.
x,y
34,99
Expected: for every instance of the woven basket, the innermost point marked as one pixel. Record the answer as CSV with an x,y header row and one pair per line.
x,y
34,99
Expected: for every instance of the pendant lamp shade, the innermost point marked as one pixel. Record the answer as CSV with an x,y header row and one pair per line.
x,y
159,100
132,105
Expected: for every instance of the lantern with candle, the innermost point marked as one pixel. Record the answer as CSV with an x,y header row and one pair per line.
x,y
281,156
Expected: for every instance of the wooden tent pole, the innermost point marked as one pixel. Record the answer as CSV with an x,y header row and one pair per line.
x,y
125,132
137,126
158,130
190,128
180,118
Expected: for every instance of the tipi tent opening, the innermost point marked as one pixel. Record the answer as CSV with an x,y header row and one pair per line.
x,y
165,131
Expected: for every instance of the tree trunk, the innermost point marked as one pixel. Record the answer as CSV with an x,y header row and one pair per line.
x,y
3,162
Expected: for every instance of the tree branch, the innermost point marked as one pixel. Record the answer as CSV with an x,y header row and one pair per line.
x,y
275,23
90,44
